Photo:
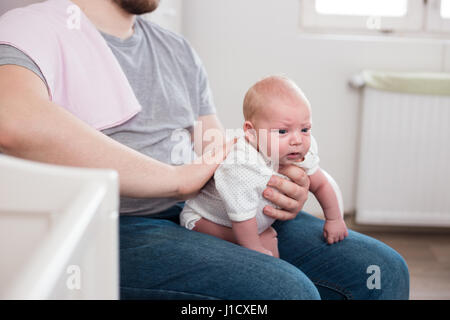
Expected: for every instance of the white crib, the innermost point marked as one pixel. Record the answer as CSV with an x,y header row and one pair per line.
x,y
58,231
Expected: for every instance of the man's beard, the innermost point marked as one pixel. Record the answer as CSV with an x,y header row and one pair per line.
x,y
138,6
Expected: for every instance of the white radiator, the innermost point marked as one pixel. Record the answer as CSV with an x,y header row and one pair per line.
x,y
404,159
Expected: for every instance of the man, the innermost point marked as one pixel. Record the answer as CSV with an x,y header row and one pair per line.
x,y
158,258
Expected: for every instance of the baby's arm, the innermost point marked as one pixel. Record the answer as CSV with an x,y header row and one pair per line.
x,y
335,229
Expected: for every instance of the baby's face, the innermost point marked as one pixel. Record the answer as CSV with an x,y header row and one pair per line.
x,y
287,124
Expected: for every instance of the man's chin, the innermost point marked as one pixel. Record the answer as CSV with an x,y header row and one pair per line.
x,y
138,7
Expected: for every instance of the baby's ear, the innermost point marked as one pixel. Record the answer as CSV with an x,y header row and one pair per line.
x,y
250,132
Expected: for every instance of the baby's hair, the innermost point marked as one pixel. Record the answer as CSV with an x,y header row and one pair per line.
x,y
274,85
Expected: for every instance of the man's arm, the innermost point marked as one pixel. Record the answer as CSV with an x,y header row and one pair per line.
x,y
208,133
34,128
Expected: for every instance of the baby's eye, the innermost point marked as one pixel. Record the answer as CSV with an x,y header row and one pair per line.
x,y
282,131
305,130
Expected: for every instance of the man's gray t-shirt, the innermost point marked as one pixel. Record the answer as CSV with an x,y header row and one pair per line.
x,y
170,83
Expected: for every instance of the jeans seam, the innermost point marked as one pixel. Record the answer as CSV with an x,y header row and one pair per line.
x,y
173,291
334,287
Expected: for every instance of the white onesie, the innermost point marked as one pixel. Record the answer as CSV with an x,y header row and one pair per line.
x,y
235,191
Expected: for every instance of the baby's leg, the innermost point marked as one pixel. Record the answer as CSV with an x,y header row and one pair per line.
x,y
205,226
268,237
270,241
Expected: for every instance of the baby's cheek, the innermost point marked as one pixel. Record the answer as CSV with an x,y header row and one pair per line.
x,y
283,147
307,143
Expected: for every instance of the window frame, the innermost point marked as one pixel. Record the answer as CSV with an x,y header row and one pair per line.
x,y
434,21
422,18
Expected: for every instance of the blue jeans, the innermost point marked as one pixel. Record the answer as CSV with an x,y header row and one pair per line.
x,y
161,260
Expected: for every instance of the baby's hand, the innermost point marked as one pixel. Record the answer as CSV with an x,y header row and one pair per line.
x,y
334,230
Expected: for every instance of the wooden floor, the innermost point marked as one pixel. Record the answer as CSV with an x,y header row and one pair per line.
x,y
426,251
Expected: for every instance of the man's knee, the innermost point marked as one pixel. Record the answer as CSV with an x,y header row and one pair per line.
x,y
388,275
396,276
281,281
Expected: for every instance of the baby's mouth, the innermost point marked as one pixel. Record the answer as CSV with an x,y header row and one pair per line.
x,y
294,156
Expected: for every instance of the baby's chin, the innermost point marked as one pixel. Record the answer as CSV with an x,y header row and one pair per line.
x,y
286,162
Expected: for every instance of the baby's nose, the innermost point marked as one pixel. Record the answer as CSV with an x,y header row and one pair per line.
x,y
296,138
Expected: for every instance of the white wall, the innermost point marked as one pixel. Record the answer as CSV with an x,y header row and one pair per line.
x,y
168,15
241,41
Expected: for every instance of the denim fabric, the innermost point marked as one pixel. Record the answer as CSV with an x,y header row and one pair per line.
x,y
161,260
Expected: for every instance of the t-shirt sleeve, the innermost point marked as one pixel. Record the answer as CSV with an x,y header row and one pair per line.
x,y
204,97
240,185
206,102
10,55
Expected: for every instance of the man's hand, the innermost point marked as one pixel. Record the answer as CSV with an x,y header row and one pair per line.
x,y
192,177
288,195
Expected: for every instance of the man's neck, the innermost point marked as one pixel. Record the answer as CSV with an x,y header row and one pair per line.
x,y
108,17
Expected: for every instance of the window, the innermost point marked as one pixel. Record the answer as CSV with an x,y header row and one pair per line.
x,y
387,8
373,16
438,16
445,9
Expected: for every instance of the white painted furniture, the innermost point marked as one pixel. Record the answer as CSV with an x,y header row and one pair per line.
x,y
58,231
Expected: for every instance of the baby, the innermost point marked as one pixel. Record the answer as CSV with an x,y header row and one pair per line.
x,y
277,133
